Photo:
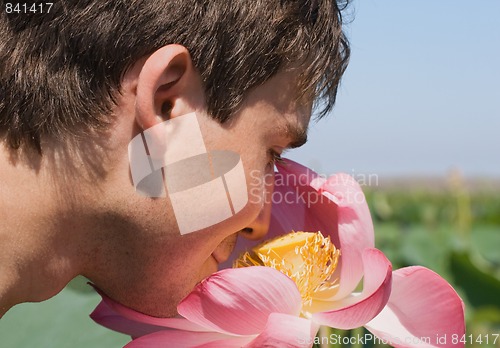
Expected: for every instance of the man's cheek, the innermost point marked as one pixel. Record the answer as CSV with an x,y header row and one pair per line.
x,y
208,190
205,187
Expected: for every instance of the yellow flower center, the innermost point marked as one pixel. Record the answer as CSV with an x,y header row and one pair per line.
x,y
308,258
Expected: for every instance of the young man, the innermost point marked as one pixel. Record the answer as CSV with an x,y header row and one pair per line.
x,y
79,82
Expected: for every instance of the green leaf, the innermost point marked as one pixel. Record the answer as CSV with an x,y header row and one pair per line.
x,y
481,288
426,247
486,240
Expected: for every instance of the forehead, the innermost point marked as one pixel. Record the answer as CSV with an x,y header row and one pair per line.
x,y
276,105
282,92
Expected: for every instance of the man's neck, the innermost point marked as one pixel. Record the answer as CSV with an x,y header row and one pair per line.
x,y
38,257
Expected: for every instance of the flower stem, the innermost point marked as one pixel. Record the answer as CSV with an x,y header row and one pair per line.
x,y
358,335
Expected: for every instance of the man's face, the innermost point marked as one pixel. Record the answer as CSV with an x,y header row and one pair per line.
x,y
170,264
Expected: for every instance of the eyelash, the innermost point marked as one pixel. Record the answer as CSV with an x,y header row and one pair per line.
x,y
275,157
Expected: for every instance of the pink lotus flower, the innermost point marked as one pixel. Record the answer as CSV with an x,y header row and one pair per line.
x,y
247,307
260,306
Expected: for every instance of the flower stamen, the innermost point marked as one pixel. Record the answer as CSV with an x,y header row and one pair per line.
x,y
309,259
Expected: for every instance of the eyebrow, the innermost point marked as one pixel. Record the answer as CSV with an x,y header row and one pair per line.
x,y
296,133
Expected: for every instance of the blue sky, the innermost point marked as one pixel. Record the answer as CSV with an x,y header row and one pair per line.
x,y
421,94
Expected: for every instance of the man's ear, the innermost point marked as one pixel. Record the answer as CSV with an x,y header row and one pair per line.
x,y
168,86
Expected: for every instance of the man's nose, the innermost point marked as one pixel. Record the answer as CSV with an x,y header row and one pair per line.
x,y
259,227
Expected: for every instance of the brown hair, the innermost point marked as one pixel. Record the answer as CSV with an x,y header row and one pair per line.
x,y
60,71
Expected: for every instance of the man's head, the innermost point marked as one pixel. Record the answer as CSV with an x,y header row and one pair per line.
x,y
79,83
61,71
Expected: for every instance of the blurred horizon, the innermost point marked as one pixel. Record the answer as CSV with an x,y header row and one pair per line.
x,y
421,95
